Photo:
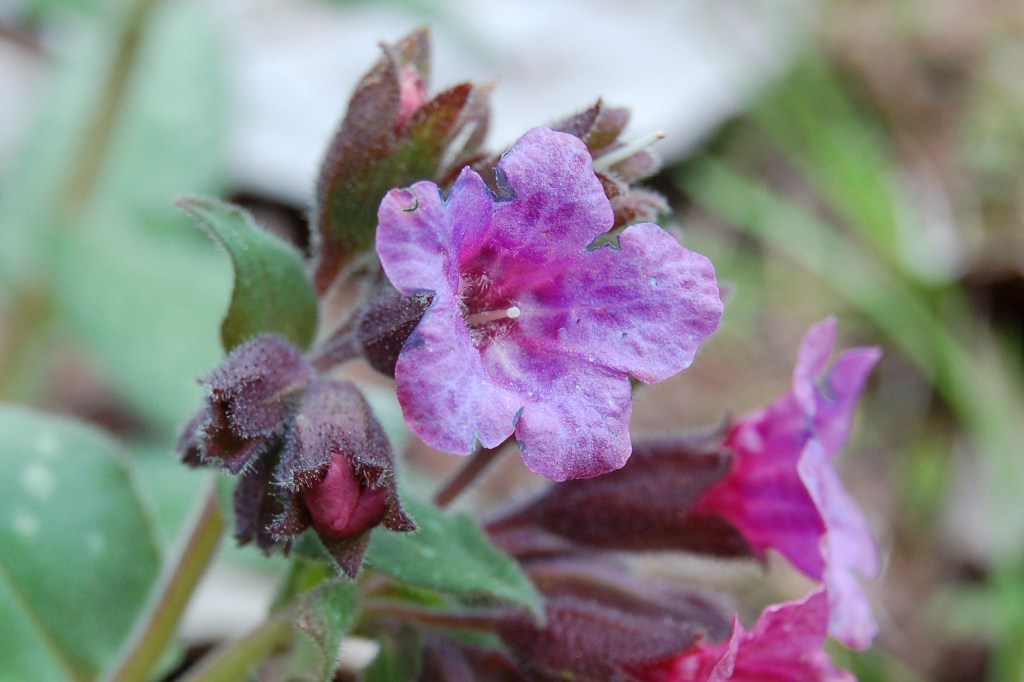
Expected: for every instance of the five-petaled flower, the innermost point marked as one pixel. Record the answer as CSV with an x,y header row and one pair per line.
x,y
532,329
784,493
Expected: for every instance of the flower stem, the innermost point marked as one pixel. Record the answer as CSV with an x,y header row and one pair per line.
x,y
478,462
155,631
89,162
341,347
484,619
233,661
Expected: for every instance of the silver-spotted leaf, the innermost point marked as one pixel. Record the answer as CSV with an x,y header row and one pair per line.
x,y
77,550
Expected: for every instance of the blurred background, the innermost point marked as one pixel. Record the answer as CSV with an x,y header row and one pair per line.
x,y
863,158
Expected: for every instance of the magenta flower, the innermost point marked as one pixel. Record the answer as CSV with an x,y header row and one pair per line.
x,y
784,493
531,331
785,645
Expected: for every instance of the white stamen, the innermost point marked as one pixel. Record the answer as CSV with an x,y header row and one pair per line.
x,y
492,315
613,157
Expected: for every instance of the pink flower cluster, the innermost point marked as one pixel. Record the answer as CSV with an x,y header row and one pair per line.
x,y
784,646
784,493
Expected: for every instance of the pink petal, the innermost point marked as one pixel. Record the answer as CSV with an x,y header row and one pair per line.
x,y
811,360
418,235
558,206
848,548
786,645
842,388
763,495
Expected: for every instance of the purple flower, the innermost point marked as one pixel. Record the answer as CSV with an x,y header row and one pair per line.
x,y
531,331
786,644
784,493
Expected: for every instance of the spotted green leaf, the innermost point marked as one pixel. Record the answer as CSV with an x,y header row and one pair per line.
x,y
77,551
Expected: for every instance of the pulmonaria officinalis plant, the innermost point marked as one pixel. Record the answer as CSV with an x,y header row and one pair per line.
x,y
515,296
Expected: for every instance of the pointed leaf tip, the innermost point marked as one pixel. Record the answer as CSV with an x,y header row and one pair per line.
x,y
271,292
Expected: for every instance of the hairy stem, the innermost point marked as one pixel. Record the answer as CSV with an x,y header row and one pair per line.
x,y
340,348
478,462
475,619
155,631
233,661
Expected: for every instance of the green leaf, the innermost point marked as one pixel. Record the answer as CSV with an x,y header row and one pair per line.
x,y
271,291
843,153
48,10
171,489
169,139
173,127
77,553
451,554
29,210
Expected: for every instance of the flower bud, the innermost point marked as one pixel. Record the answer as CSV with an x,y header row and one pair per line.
x,y
392,135
258,505
603,622
587,640
340,505
248,400
412,92
339,471
645,505
385,322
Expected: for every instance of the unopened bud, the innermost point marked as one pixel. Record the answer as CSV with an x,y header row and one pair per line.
x,y
384,324
339,470
341,505
645,505
248,400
